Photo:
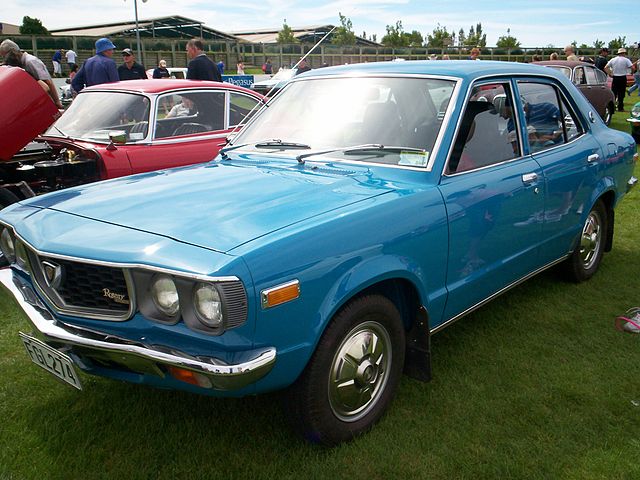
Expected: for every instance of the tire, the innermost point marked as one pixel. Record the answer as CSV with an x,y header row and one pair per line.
x,y
608,114
585,259
7,198
362,350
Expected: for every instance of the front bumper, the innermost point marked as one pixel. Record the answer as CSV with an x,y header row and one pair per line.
x,y
129,355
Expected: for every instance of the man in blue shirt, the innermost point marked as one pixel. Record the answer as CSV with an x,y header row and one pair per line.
x,y
100,68
200,67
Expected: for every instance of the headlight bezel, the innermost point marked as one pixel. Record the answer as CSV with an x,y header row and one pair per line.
x,y
200,315
8,244
170,284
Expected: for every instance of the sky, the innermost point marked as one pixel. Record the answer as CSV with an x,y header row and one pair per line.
x,y
542,23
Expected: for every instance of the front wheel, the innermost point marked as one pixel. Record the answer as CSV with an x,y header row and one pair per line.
x,y
585,259
353,374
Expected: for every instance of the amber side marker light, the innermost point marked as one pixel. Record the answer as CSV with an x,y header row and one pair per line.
x,y
190,377
280,294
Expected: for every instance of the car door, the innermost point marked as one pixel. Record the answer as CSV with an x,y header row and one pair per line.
x,y
569,156
188,127
492,193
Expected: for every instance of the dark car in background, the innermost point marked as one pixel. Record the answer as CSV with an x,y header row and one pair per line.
x,y
591,81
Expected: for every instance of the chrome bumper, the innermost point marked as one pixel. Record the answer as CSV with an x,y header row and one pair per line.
x,y
133,356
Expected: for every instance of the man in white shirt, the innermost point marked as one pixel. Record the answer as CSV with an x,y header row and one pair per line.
x,y
618,67
71,58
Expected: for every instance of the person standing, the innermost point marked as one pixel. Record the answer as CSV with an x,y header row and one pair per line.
x,y
570,53
220,66
130,69
240,68
601,59
161,70
200,66
71,59
636,79
32,65
618,67
100,68
57,63
267,68
474,54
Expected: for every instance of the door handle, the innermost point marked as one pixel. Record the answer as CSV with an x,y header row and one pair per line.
x,y
593,158
529,178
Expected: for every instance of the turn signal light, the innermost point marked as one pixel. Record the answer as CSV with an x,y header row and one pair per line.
x,y
280,294
190,377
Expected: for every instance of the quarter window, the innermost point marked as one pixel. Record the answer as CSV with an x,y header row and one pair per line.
x,y
590,73
241,108
487,131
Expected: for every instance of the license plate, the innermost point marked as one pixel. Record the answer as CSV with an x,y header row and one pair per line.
x,y
51,360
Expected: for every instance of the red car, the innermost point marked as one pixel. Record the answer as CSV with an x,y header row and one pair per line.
x,y
112,130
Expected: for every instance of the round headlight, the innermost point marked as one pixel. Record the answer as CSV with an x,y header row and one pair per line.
x,y
208,305
165,295
7,245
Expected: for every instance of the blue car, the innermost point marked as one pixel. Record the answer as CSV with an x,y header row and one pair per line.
x,y
366,208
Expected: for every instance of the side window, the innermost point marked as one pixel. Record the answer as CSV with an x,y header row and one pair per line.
x,y
239,107
600,76
590,73
189,113
578,76
487,131
549,122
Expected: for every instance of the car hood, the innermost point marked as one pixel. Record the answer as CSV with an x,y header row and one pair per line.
x,y
26,112
219,205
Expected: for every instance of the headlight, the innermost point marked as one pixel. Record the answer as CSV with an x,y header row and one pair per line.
x,y
208,305
7,245
21,255
165,295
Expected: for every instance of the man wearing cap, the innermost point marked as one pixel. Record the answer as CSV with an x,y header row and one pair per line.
x,y
98,69
161,70
32,65
601,59
130,69
200,66
618,67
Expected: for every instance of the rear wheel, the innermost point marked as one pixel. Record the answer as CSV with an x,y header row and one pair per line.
x,y
585,259
353,374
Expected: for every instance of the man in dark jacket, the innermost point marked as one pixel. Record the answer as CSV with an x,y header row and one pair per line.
x,y
601,59
200,67
130,69
98,69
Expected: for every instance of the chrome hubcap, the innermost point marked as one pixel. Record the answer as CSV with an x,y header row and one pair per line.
x,y
359,371
590,240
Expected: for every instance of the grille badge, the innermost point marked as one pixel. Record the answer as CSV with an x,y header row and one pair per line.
x,y
116,297
52,274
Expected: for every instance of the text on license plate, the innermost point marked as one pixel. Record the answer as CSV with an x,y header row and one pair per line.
x,y
51,360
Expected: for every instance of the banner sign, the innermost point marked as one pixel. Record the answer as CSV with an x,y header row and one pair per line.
x,y
241,80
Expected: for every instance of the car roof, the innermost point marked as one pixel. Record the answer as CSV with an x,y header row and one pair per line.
x,y
465,69
563,63
154,86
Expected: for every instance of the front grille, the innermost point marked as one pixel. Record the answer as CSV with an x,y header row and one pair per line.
x,y
82,288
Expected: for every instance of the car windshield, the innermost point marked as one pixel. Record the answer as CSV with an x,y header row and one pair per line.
x,y
334,113
94,115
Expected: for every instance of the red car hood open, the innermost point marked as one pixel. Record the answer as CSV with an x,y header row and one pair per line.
x,y
26,112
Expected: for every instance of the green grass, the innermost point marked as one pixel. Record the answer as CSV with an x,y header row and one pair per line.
x,y
537,384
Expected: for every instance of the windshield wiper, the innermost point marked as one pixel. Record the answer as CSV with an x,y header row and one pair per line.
x,y
275,142
360,148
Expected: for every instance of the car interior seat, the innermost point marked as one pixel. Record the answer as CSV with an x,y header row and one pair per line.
x,y
191,128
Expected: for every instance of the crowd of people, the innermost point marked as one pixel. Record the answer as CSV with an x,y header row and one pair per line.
x,y
102,68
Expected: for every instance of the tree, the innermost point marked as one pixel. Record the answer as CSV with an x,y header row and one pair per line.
x,y
440,37
32,26
394,36
508,41
415,39
617,43
286,34
462,37
598,44
344,35
476,38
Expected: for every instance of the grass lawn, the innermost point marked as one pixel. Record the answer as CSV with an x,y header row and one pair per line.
x,y
537,384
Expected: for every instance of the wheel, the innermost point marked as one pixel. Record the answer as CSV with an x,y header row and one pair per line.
x,y
585,259
608,114
353,373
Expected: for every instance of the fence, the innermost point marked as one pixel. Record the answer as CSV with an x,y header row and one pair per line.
x,y
173,51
